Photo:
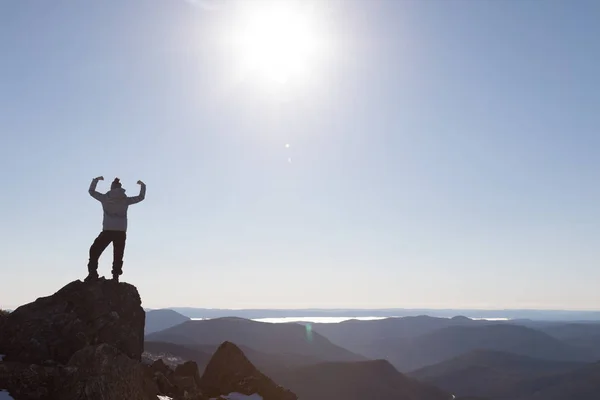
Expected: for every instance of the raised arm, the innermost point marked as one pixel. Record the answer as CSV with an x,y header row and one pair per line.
x,y
140,197
92,190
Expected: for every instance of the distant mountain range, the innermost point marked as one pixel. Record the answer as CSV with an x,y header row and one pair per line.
x,y
355,381
268,363
540,315
488,373
503,383
315,380
286,339
415,342
472,359
355,334
158,320
412,353
580,384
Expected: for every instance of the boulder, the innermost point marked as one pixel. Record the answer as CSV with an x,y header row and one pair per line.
x,y
160,366
27,382
165,387
187,376
52,329
86,342
229,371
161,375
102,372
181,383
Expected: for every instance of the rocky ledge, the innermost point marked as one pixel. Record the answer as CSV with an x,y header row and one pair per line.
x,y
52,329
86,342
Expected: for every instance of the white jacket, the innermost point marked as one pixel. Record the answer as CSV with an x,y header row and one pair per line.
x,y
115,204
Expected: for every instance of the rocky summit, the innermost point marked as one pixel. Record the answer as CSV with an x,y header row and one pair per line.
x,y
229,371
86,342
54,328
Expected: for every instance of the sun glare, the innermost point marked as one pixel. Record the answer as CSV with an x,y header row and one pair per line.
x,y
276,40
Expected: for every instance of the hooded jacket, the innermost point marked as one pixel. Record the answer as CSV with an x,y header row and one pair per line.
x,y
115,204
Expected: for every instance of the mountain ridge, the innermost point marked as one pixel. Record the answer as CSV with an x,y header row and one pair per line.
x,y
488,373
432,348
159,320
373,379
261,336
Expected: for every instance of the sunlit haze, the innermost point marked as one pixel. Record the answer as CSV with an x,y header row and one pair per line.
x,y
306,154
275,40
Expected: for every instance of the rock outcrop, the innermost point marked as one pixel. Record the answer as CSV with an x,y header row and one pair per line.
x,y
3,318
181,383
53,328
25,381
103,370
86,342
229,371
83,342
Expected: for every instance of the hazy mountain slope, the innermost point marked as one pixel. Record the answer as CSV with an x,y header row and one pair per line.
x,y
158,320
585,335
177,353
355,381
443,344
580,384
488,373
570,330
355,334
281,339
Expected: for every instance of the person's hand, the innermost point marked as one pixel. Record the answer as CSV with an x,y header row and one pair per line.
x,y
140,182
100,178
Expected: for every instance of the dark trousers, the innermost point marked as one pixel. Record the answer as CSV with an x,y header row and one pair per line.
x,y
117,238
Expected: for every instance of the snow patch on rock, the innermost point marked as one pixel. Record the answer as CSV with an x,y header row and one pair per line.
x,y
5,396
239,396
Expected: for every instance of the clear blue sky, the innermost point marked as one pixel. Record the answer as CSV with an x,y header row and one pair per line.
x,y
444,154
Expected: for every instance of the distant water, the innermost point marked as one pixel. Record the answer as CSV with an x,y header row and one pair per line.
x,y
332,320
315,320
491,319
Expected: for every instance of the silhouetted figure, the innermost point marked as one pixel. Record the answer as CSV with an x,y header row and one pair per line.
x,y
114,226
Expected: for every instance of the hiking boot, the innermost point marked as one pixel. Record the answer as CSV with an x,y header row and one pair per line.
x,y
92,276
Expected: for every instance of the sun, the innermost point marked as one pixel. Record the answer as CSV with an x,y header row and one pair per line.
x,y
276,40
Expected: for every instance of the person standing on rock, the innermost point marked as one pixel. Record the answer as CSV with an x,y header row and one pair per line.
x,y
114,226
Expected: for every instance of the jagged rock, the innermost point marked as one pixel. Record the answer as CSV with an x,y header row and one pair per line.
x,y
86,342
164,385
181,383
187,376
161,375
102,372
27,382
229,371
160,366
3,317
81,314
